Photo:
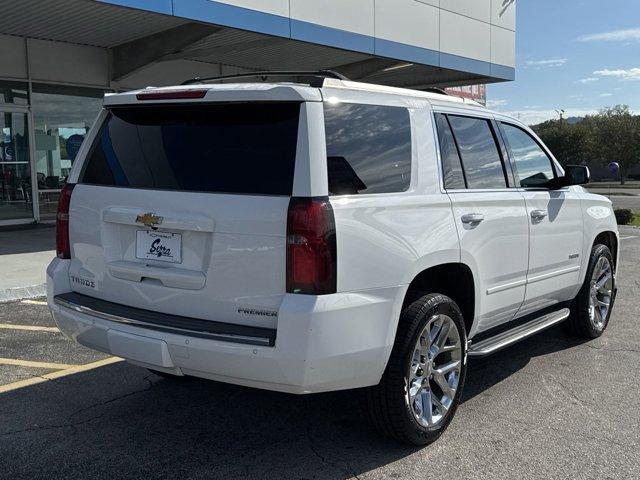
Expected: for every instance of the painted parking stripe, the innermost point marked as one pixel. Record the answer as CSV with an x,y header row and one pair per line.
x,y
630,236
30,364
30,328
61,373
33,302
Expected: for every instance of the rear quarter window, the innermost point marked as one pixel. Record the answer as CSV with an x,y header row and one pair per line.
x,y
368,148
230,148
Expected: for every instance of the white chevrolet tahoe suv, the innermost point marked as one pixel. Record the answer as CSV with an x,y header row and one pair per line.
x,y
314,236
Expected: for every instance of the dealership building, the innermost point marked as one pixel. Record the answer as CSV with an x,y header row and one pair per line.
x,y
59,57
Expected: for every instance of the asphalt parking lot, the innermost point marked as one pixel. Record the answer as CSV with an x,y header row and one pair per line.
x,y
550,407
626,201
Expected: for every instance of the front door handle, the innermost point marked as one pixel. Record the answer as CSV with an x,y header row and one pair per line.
x,y
472,218
539,215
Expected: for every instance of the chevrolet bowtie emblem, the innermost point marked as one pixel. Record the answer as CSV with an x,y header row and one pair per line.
x,y
149,219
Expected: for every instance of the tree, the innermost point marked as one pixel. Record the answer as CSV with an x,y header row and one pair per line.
x,y
614,136
568,142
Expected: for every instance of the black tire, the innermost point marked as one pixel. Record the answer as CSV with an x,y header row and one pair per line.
x,y
387,407
579,323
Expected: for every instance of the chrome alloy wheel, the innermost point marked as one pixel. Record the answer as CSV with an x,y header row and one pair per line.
x,y
601,289
434,371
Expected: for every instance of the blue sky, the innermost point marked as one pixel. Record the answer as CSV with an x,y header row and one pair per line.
x,y
576,55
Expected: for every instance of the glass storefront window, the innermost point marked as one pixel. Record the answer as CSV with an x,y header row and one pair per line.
x,y
15,167
62,116
16,93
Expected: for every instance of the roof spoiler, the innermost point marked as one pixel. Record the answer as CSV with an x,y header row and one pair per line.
x,y
317,77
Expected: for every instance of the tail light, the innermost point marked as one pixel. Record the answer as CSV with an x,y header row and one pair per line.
x,y
63,245
311,246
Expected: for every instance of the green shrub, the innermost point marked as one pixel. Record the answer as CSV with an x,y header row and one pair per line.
x,y
623,216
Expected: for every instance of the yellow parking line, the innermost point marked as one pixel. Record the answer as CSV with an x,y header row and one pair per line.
x,y
30,364
61,373
31,328
34,302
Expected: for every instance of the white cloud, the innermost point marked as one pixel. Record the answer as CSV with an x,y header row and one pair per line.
x,y
588,80
552,62
613,36
496,103
606,94
628,74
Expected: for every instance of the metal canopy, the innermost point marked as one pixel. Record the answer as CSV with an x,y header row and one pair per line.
x,y
137,39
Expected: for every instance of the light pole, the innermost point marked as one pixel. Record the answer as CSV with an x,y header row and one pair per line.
x,y
560,114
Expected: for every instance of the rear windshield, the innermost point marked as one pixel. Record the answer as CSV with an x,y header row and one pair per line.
x,y
230,148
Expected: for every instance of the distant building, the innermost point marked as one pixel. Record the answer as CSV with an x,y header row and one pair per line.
x,y
474,92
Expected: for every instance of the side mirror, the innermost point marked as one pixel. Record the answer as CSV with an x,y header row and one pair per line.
x,y
573,175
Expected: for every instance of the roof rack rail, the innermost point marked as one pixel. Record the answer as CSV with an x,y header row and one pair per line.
x,y
441,91
318,75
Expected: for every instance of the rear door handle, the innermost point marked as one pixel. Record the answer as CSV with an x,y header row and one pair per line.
x,y
538,214
472,218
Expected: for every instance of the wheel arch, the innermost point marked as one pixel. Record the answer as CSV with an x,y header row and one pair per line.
x,y
610,239
455,280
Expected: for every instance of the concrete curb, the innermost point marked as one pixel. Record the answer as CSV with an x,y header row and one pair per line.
x,y
20,293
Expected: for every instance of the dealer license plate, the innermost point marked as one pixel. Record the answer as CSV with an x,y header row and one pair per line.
x,y
161,246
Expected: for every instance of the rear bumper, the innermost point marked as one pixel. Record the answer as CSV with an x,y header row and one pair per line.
x,y
323,343
162,322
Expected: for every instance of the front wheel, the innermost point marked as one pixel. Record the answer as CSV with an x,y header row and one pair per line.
x,y
592,306
421,387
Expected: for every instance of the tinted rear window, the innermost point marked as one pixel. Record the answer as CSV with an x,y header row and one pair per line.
x,y
368,148
231,148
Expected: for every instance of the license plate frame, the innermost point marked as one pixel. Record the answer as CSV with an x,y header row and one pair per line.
x,y
159,246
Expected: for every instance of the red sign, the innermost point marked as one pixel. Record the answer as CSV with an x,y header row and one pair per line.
x,y
473,92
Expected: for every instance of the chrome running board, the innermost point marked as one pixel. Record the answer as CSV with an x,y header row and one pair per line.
x,y
505,339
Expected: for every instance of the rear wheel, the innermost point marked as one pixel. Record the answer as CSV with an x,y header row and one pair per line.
x,y
592,306
422,385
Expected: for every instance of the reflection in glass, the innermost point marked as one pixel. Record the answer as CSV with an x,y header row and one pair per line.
x,y
15,171
16,93
533,166
451,165
368,148
480,156
62,117
243,148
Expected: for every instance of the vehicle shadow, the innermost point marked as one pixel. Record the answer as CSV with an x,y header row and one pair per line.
x,y
483,373
122,421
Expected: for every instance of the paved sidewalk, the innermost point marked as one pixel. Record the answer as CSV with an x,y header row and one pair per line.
x,y
24,256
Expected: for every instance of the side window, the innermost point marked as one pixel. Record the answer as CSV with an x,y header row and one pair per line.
x,y
451,165
533,166
368,148
481,159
